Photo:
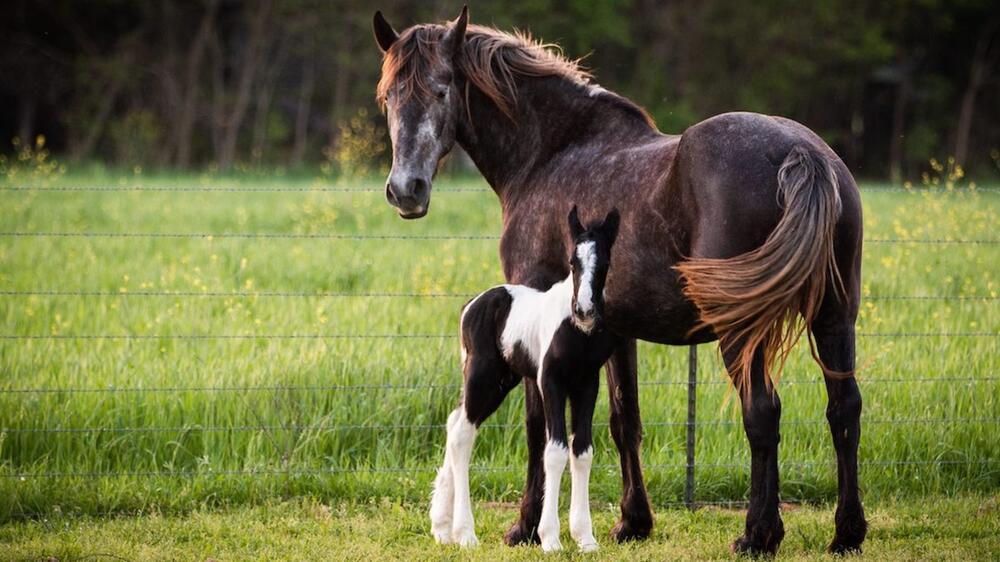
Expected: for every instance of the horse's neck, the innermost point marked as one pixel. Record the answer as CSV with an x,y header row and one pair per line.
x,y
554,119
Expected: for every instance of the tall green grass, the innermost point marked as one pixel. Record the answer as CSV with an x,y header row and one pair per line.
x,y
229,441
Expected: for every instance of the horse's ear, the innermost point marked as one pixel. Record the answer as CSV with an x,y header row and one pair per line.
x,y
610,226
385,35
455,38
575,227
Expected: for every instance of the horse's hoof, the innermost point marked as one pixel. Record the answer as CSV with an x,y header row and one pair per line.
x,y
442,537
589,546
844,548
745,547
625,531
551,546
465,539
517,535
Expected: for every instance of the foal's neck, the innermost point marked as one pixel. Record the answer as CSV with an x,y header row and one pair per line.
x,y
554,118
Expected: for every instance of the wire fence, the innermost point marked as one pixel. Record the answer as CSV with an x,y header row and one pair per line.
x,y
691,424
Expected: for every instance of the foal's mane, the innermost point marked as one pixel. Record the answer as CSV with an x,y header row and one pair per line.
x,y
490,60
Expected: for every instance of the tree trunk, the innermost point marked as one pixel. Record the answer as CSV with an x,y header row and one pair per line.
x,y
302,114
982,59
340,87
186,115
898,131
26,119
247,72
262,107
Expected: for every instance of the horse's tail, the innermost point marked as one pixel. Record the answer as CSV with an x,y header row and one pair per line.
x,y
754,300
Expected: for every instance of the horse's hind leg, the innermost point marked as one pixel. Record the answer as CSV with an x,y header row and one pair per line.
x,y
443,499
835,340
761,417
626,430
487,383
582,401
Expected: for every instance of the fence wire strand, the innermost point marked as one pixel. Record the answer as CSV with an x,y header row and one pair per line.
x,y
268,428
441,386
385,237
475,468
376,295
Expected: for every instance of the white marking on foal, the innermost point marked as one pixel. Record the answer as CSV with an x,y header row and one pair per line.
x,y
587,255
581,527
533,320
443,498
556,455
461,437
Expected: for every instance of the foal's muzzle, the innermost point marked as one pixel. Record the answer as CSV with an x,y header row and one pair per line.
x,y
585,320
410,196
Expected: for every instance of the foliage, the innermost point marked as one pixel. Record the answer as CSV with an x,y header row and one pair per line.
x,y
271,82
30,164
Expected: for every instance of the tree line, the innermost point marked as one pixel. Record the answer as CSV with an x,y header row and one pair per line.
x,y
265,83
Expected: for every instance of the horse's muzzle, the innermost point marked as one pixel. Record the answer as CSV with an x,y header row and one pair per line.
x,y
411,197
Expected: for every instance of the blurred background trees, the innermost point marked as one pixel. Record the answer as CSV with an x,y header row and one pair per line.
x,y
289,83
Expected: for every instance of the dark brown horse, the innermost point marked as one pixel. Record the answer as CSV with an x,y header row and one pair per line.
x,y
746,228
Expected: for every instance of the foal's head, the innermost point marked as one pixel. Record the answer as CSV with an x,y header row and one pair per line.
x,y
590,262
422,104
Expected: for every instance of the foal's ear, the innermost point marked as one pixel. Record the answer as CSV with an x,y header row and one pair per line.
x,y
610,226
455,36
385,35
575,228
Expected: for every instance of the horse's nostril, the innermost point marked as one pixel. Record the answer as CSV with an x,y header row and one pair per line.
x,y
389,195
418,187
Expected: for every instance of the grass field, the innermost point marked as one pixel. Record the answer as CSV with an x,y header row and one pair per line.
x,y
159,421
959,529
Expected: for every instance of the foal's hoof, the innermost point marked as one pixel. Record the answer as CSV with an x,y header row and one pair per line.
x,y
517,535
625,531
745,547
466,539
844,547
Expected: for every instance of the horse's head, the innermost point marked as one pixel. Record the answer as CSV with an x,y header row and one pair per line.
x,y
422,104
590,262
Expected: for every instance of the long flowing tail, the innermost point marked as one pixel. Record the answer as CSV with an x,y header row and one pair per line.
x,y
754,300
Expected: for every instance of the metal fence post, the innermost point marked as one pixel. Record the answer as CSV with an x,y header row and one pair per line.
x,y
692,397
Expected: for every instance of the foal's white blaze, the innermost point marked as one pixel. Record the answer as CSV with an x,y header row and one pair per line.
x,y
556,455
580,526
461,437
587,254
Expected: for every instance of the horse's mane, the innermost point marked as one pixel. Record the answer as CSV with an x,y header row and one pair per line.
x,y
490,60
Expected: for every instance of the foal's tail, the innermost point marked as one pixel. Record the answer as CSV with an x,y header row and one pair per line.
x,y
753,300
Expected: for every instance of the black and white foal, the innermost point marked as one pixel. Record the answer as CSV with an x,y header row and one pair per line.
x,y
555,339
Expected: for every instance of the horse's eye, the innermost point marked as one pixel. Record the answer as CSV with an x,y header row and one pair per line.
x,y
441,93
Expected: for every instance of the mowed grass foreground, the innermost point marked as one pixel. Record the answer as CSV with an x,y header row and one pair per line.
x,y
169,416
960,528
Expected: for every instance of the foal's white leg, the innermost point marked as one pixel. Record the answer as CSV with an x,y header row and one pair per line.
x,y
443,499
556,455
580,526
461,437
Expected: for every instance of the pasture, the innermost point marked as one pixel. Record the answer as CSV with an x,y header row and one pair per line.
x,y
311,352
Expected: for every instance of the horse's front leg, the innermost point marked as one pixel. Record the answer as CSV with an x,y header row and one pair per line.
x,y
582,402
761,417
555,459
626,430
525,529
